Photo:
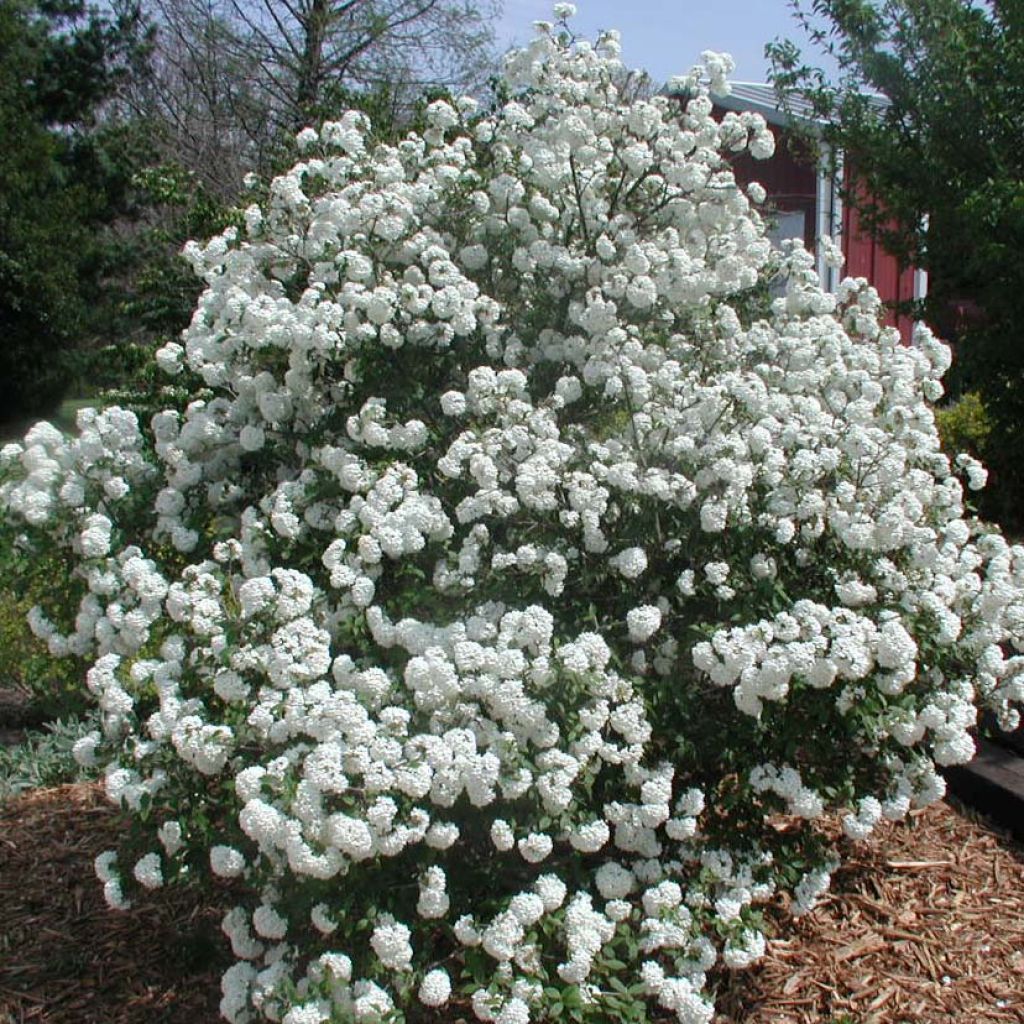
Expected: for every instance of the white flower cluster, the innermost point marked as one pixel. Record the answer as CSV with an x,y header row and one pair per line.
x,y
519,564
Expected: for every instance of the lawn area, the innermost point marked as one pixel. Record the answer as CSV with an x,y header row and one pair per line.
x,y
63,418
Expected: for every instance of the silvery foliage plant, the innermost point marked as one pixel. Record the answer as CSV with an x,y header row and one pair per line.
x,y
541,557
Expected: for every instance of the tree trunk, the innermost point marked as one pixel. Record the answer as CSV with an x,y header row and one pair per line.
x,y
310,76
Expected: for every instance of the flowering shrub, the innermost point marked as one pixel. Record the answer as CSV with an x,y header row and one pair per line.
x,y
520,585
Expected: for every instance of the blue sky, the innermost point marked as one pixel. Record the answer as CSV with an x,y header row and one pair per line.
x,y
667,36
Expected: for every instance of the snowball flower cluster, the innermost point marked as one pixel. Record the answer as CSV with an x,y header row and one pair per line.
x,y
468,620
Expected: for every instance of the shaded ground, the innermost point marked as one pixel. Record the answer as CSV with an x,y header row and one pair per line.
x,y
65,958
924,927
15,715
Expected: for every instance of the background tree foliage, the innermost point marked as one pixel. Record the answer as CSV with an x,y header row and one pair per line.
x,y
128,128
64,176
942,163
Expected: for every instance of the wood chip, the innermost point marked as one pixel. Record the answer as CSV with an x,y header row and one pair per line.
x,y
916,865
879,1001
869,943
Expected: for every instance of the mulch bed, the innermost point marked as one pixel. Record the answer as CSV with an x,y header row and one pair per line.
x,y
65,957
925,926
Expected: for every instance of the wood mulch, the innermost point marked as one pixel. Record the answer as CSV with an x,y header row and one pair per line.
x,y
65,957
925,926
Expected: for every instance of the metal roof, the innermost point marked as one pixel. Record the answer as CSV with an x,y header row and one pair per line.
x,y
762,98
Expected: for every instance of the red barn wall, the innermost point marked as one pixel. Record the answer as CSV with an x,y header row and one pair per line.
x,y
791,182
790,178
865,257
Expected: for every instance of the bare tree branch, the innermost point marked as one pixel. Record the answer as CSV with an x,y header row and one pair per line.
x,y
230,80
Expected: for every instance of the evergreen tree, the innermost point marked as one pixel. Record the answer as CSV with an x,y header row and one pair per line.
x,y
64,174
